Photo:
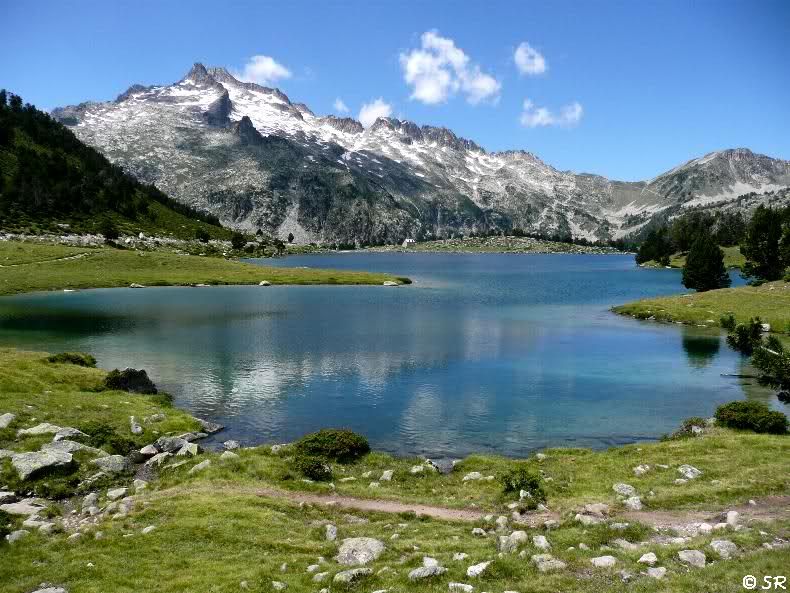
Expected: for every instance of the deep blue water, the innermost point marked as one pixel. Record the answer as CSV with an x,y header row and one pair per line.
x,y
499,353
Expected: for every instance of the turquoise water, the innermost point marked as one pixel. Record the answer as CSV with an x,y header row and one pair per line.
x,y
497,353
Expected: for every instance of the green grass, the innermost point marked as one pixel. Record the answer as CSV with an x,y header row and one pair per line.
x,y
770,302
212,532
104,267
733,258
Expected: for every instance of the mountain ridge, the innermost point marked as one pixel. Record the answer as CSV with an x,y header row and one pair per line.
x,y
329,179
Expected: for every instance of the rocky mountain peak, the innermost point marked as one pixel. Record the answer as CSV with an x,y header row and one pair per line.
x,y
198,73
344,124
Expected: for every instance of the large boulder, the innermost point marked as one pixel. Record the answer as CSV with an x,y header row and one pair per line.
x,y
692,557
689,471
26,507
547,563
624,490
357,551
424,572
34,462
209,427
67,446
6,420
38,430
169,444
724,548
113,464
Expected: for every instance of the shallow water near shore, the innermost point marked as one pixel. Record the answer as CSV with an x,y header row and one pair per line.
x,y
483,353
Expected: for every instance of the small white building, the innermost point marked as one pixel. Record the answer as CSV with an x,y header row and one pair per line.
x,y
407,242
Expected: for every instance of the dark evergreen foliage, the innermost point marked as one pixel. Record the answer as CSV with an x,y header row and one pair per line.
x,y
46,173
746,336
751,415
336,444
767,252
130,380
704,269
656,247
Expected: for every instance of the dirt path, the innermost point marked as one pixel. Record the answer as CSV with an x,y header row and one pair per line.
x,y
768,508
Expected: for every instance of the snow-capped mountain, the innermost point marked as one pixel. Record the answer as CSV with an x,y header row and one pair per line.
x,y
255,159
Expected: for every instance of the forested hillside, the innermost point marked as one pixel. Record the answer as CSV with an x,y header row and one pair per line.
x,y
51,181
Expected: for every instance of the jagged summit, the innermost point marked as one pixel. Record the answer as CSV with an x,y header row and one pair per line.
x,y
256,159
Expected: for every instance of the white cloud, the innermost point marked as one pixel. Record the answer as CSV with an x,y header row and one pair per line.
x,y
439,70
340,106
263,70
533,116
529,61
370,112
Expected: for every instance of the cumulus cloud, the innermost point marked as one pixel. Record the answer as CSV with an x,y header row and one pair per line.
x,y
533,116
370,112
340,106
529,61
438,70
263,70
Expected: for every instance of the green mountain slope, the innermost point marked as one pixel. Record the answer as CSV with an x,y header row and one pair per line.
x,y
51,181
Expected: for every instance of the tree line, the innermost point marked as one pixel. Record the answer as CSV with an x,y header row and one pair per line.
x,y
764,241
47,173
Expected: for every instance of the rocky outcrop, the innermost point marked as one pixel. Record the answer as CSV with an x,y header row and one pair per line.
x,y
37,462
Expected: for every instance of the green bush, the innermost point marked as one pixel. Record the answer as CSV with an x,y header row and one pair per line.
x,y
522,478
237,240
202,235
78,358
341,445
727,322
6,525
746,336
750,415
686,429
312,467
130,380
102,435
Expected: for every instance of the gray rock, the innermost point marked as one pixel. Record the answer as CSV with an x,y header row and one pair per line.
x,y
477,569
28,464
169,444
209,427
624,490
692,557
113,464
134,426
4,453
588,519
7,497
228,456
90,500
67,446
649,558
547,563
641,470
149,451
510,543
424,572
478,531
231,445
69,433
15,536
443,466
624,544
6,420
49,588
189,450
331,532
279,586
732,518
657,572
386,476
603,561
349,576
462,587
633,503
689,472
471,476
200,466
139,485
320,576
724,548
540,542
597,509
359,551
38,430
149,529
158,459
116,493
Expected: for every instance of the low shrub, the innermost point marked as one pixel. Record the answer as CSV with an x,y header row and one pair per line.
x,y
79,358
102,435
686,429
727,322
750,415
6,525
312,467
746,336
130,380
523,478
341,445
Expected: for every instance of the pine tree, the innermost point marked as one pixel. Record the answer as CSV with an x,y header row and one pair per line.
x,y
760,246
704,269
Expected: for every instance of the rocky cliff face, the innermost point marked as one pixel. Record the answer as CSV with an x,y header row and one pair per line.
x,y
255,159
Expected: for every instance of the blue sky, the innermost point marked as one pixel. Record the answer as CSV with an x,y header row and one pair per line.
x,y
624,89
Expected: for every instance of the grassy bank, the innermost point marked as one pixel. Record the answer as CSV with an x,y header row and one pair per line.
x,y
212,532
496,245
28,267
770,302
733,258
